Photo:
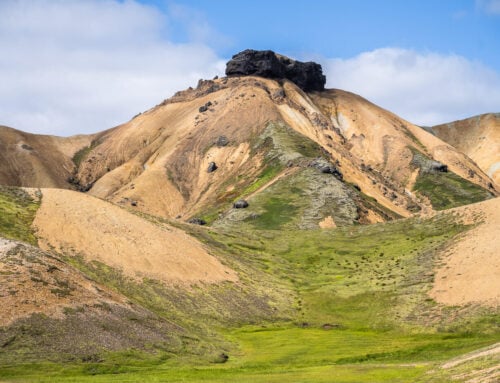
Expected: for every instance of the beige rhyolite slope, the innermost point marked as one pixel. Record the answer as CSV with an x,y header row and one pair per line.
x,y
471,266
79,224
37,160
159,160
478,137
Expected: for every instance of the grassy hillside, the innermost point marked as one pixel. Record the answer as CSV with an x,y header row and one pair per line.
x,y
17,211
447,190
357,311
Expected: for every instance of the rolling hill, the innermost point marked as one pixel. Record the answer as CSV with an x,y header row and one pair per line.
x,y
478,138
256,228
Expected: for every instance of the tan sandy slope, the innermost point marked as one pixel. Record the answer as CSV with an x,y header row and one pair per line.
x,y
478,137
37,160
78,224
159,159
471,267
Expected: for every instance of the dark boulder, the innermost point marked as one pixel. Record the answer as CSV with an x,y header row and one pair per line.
x,y
240,204
197,221
330,169
439,167
222,141
85,188
308,76
205,107
212,167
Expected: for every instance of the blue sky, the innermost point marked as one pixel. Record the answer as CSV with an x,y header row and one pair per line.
x,y
79,66
344,28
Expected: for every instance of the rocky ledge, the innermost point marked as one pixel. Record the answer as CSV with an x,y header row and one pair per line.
x,y
306,75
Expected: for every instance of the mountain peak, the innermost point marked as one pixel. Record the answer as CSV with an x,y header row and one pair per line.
x,y
306,75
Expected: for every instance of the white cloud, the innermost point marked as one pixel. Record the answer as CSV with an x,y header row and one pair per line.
x,y
71,67
489,6
424,88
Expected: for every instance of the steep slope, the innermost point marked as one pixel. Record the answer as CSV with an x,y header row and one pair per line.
x,y
471,266
37,160
478,137
159,162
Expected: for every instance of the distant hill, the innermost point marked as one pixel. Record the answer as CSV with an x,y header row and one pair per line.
x,y
478,137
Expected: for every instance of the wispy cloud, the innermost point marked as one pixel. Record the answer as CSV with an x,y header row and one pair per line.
x,y
489,6
81,66
424,88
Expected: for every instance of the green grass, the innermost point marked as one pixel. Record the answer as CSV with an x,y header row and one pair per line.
x,y
448,190
277,213
343,305
81,154
273,355
17,211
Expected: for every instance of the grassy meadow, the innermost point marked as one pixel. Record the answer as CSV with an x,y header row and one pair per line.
x,y
339,305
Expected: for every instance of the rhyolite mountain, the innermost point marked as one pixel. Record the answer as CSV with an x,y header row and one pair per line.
x,y
478,137
267,125
229,220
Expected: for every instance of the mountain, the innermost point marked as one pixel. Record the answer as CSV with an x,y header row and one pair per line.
x,y
260,132
38,160
478,137
256,228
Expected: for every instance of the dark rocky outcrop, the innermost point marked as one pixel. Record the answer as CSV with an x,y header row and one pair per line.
x,y
197,221
212,167
306,75
240,204
325,167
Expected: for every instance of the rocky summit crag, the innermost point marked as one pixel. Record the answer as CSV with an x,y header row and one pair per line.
x,y
308,76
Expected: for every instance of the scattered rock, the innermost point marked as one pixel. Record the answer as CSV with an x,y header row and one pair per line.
x,y
308,76
222,141
85,188
327,168
133,203
240,204
197,221
26,147
212,167
205,107
330,169
439,167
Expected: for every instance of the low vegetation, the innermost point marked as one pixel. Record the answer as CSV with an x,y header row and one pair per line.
x,y
17,211
357,311
447,190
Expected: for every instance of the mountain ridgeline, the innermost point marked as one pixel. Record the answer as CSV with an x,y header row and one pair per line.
x,y
268,125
